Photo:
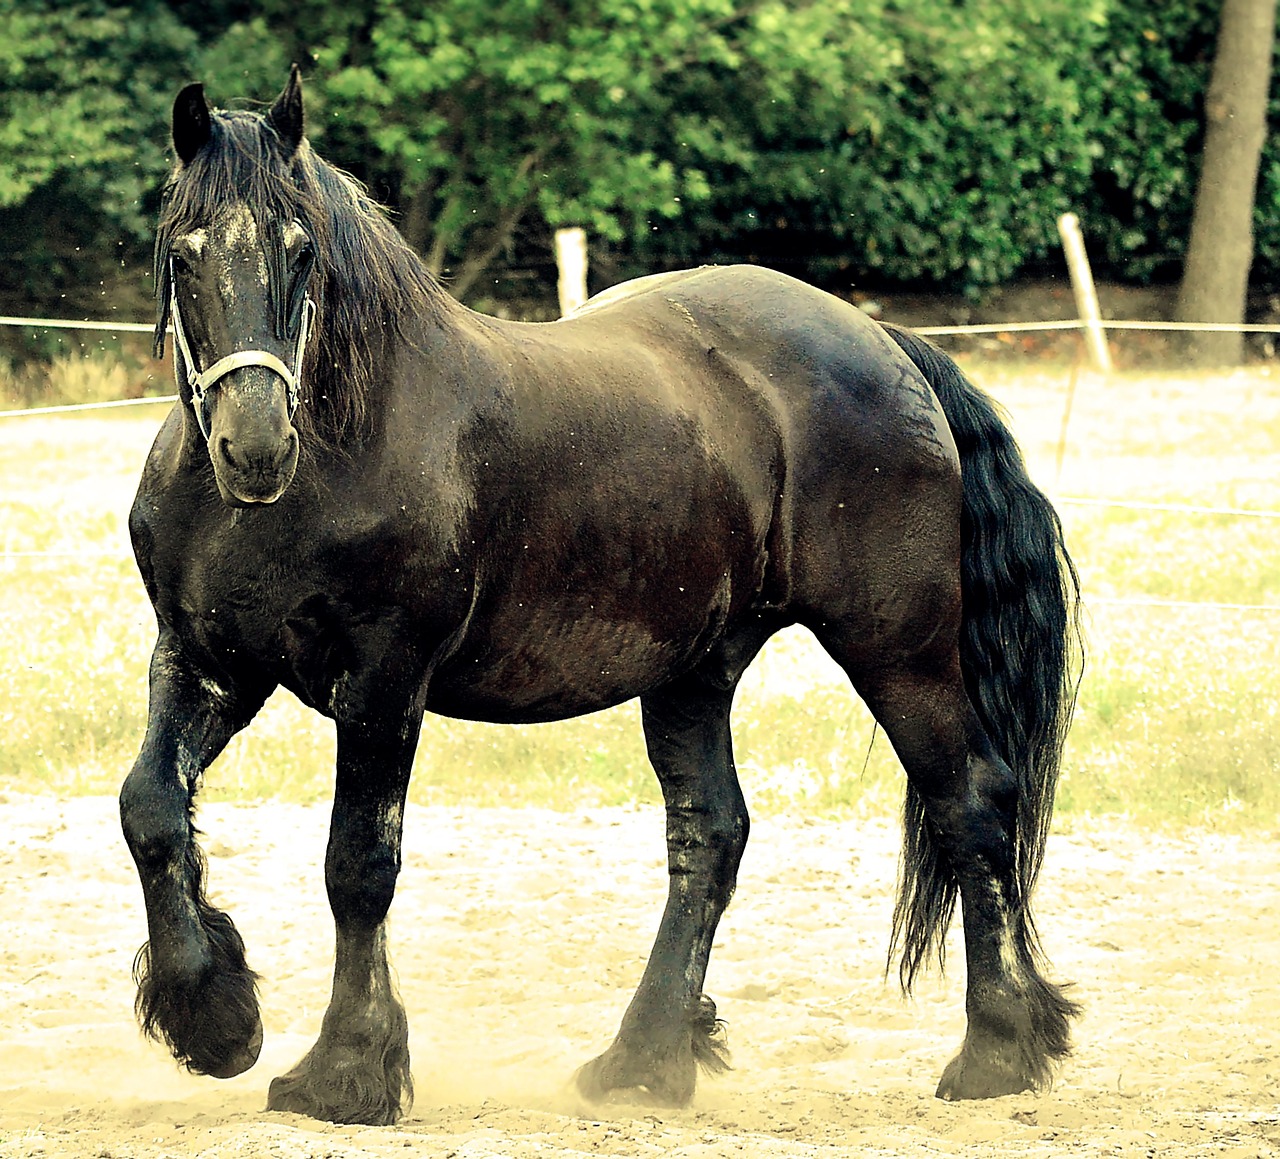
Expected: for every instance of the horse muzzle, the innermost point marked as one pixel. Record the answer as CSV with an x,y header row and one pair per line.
x,y
252,442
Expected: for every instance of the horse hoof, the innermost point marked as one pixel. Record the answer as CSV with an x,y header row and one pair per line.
x,y
967,1077
321,1088
242,1059
605,1079
300,1095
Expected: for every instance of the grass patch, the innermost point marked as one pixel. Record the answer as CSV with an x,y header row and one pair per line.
x,y
1177,719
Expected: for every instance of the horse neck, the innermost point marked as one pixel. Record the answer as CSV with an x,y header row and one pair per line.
x,y
418,374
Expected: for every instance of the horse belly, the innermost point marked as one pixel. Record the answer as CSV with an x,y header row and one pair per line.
x,y
547,659
558,669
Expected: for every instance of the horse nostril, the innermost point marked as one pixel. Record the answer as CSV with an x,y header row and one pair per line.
x,y
224,449
288,448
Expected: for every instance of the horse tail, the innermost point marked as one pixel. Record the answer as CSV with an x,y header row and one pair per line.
x,y
1020,651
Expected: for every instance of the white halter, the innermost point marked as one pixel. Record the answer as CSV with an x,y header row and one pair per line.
x,y
202,383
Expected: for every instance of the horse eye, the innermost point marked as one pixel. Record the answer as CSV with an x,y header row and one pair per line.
x,y
179,264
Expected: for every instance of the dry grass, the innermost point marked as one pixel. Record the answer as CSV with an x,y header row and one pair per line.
x,y
83,366
1177,711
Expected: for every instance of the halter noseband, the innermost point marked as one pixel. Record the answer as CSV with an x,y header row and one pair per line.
x,y
202,382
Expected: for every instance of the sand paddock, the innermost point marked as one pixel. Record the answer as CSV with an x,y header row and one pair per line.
x,y
518,935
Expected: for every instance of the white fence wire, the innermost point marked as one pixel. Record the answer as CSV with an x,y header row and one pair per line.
x,y
36,324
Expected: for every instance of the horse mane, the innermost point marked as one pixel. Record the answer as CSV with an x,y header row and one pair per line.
x,y
368,284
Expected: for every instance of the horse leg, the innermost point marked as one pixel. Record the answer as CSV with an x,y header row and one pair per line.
x,y
196,993
358,1070
962,816
670,1027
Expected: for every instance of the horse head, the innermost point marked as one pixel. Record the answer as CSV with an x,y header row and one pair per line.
x,y
233,280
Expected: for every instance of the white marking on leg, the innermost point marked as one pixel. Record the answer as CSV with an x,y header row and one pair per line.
x,y
390,822
1008,950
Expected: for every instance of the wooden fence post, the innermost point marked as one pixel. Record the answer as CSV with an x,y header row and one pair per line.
x,y
1086,295
571,262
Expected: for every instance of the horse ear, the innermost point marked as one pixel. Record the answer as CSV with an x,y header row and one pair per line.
x,y
192,125
286,116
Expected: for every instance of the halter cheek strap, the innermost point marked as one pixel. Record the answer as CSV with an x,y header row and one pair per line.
x,y
201,382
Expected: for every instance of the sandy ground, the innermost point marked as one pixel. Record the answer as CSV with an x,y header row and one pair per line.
x,y
519,934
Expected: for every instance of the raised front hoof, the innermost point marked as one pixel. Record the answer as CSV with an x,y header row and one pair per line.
x,y
238,1059
975,1074
207,1014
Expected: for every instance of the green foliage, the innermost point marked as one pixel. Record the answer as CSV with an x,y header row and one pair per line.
x,y
925,142
84,90
950,137
1145,91
246,60
986,148
480,118
929,146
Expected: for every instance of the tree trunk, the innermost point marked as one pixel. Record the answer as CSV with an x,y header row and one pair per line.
x,y
1215,276
476,259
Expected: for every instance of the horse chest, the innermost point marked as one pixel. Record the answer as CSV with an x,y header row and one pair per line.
x,y
226,608
308,643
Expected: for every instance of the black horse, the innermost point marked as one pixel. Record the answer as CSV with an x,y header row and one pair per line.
x,y
389,504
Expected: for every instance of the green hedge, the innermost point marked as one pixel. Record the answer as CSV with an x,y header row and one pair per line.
x,y
930,143
995,119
